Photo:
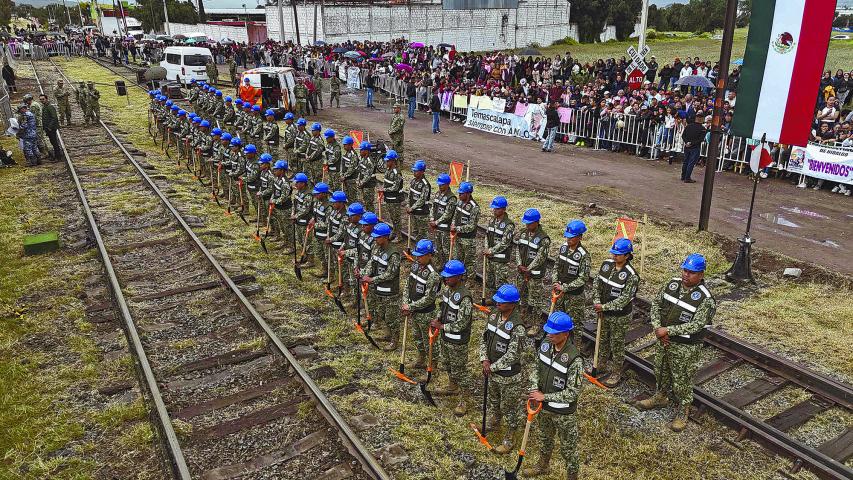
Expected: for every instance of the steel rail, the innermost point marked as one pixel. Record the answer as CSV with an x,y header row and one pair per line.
x,y
177,462
345,433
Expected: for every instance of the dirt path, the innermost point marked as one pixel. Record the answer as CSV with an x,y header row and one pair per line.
x,y
814,226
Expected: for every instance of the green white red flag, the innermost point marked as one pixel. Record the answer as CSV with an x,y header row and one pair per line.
x,y
760,157
785,53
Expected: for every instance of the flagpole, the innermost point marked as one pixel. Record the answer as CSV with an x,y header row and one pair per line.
x,y
741,269
716,132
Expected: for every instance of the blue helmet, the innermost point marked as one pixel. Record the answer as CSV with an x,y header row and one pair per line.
x,y
320,187
443,179
265,158
239,102
419,166
329,133
390,155
347,140
531,215
316,127
365,145
216,131
574,228
151,93
226,136
250,148
465,187
235,142
381,230
369,218
559,322
301,122
256,108
196,119
695,262
280,164
300,178
453,268
169,103
288,116
218,93
269,113
192,81
204,123
228,99
355,208
182,113
339,196
174,108
507,293
498,202
423,247
248,105
622,246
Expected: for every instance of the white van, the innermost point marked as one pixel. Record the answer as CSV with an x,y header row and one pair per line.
x,y
184,64
276,84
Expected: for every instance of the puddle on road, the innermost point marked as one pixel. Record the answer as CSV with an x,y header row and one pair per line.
x,y
805,212
830,243
778,220
593,173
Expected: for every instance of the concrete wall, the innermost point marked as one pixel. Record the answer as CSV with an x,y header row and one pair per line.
x,y
535,21
214,32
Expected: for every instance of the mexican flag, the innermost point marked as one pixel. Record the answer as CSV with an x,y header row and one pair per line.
x,y
759,157
785,53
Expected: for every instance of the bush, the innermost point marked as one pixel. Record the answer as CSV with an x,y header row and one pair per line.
x,y
534,45
566,41
652,34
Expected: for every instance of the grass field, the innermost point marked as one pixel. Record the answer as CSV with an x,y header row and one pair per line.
x,y
685,45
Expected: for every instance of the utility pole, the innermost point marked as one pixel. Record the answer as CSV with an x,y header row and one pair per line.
x,y
166,13
644,20
67,13
281,20
716,133
123,18
296,22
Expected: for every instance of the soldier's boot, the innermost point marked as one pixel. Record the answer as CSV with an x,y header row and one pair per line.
x,y
392,345
542,467
461,409
451,389
493,422
572,476
615,376
419,362
658,400
679,423
507,443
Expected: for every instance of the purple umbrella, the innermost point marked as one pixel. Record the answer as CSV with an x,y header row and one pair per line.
x,y
416,45
403,66
376,59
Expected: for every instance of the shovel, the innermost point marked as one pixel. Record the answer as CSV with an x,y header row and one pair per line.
x,y
266,234
481,434
230,184
483,296
452,243
257,235
380,196
513,475
328,286
304,254
427,394
595,371
297,270
358,326
167,141
400,373
242,204
408,251
214,187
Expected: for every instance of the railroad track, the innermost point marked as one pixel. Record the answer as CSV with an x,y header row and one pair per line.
x,y
227,396
725,352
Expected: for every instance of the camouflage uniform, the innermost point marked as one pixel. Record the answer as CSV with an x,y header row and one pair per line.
x,y
303,209
337,237
420,192
93,99
335,91
270,138
615,291
212,72
558,376
332,162
392,187
571,271
41,140
351,253
192,96
318,82
367,182
228,114
321,230
502,344
62,96
395,131
465,223
280,223
499,235
300,91
300,146
422,287
443,209
532,253
349,172
676,364
314,158
82,100
384,268
232,70
455,315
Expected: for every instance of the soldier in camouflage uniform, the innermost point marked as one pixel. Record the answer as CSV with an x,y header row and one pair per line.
x,y
266,188
236,168
83,101
681,311
531,255
337,231
248,122
349,250
498,247
218,109
614,292
314,153
420,192
320,224
395,131
464,226
36,108
335,91
366,176
223,163
300,91
239,116
228,113
332,159
392,191
232,70
288,137
212,71
303,211
192,93
93,99
215,149
270,135
382,273
454,322
252,178
281,224
422,287
300,145
256,132
441,217
318,83
555,381
62,96
500,356
571,272
365,248
349,168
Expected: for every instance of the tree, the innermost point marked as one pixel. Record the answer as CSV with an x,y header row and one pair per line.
x,y
623,14
590,17
202,17
5,13
744,10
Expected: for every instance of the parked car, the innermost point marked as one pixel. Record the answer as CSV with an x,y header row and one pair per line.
x,y
184,64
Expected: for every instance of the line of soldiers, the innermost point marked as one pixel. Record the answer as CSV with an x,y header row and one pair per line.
x,y
89,99
328,206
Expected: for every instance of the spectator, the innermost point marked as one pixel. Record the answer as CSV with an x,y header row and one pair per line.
x,y
9,76
435,108
551,124
694,134
370,85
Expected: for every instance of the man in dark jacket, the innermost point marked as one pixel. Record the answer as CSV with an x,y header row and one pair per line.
x,y
694,134
50,123
435,108
411,93
552,118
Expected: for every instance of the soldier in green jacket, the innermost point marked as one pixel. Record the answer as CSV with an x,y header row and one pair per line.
x,y
555,382
571,272
282,204
422,287
335,91
392,190
320,224
332,159
83,101
681,311
314,153
337,230
270,135
500,356
395,131
349,167
303,211
614,291
420,192
300,144
497,250
349,250
212,71
228,113
382,273
300,91
93,99
464,226
441,217
454,323
366,181
232,70
532,253
62,96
